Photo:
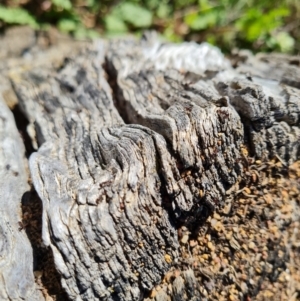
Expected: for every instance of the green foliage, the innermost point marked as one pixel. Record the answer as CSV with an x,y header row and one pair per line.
x,y
133,14
127,14
81,33
114,24
67,25
17,16
282,42
261,25
64,4
206,15
255,23
202,20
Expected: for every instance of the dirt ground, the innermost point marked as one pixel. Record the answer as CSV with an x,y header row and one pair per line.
x,y
250,248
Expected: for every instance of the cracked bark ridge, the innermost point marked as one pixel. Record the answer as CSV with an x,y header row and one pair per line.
x,y
16,258
203,130
268,100
99,181
262,89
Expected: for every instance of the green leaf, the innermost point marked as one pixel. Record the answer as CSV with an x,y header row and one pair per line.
x,y
115,24
204,5
190,18
163,11
199,21
257,23
170,35
65,4
90,3
285,42
152,4
280,12
67,25
17,16
211,39
134,14
254,31
82,33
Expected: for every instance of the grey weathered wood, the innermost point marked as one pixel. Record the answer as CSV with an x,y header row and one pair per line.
x,y
262,92
204,131
112,192
269,102
103,213
16,257
21,49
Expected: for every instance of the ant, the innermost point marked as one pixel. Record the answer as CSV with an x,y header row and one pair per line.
x,y
22,226
224,113
175,194
105,183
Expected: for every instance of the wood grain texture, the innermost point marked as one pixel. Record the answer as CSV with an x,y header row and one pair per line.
x,y
125,157
269,102
99,183
203,130
22,48
262,89
16,258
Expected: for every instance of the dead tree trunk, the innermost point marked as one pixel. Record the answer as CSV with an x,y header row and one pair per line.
x,y
16,258
136,138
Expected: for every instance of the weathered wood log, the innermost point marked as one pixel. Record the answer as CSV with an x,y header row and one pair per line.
x,y
16,258
262,92
114,194
204,131
97,177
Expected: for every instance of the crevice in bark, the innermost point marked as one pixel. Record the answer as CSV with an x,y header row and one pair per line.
x,y
202,208
47,278
22,123
112,81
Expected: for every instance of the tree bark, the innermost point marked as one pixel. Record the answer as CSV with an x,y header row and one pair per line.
x,y
136,138
16,258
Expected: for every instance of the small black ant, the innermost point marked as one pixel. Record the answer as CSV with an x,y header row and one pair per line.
x,y
224,113
22,226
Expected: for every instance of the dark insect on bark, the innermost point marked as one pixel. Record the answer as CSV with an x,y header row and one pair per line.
x,y
22,226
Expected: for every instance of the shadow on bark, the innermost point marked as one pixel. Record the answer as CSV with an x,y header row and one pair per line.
x,y
46,276
22,123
